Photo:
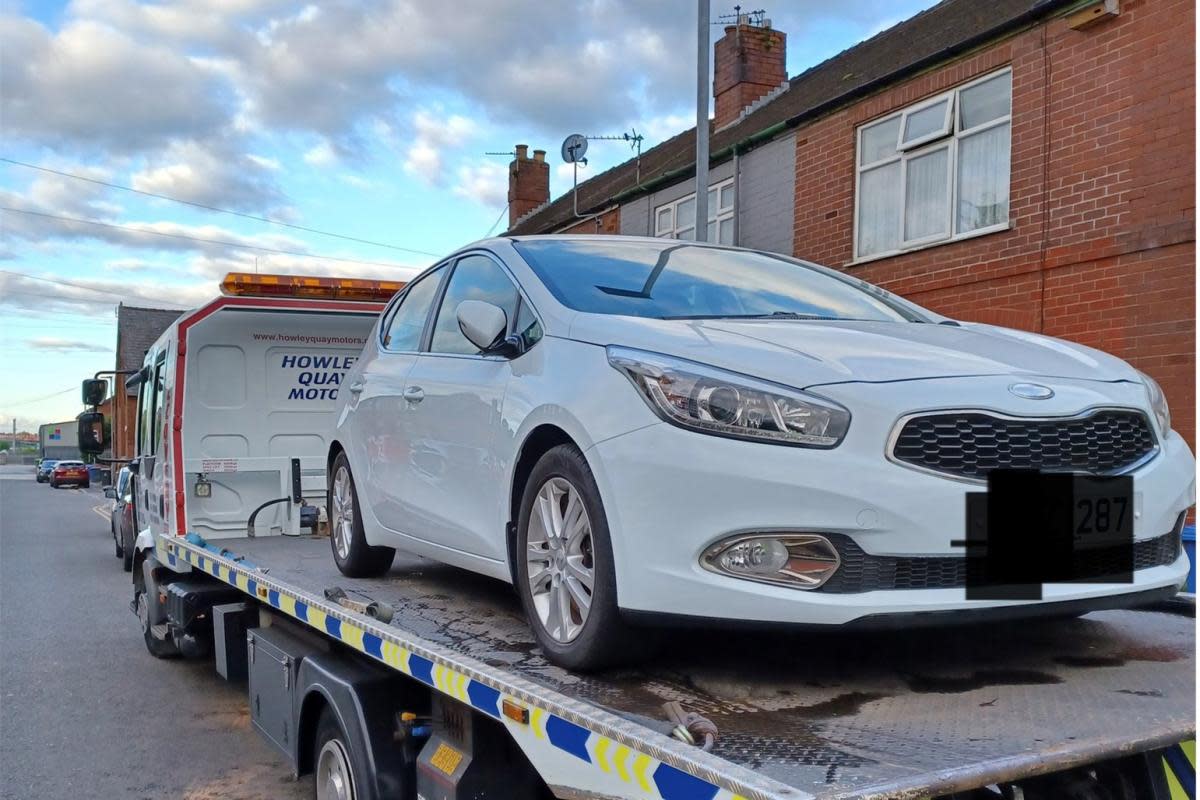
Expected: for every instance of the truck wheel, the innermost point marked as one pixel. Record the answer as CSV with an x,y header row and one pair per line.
x,y
355,558
159,648
334,771
565,572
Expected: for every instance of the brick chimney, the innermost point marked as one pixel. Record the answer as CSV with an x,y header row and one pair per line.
x,y
528,183
750,61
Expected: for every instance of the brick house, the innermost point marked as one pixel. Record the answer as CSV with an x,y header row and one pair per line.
x,y
137,329
1018,163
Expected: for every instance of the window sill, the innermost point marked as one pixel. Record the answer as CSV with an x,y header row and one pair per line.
x,y
962,237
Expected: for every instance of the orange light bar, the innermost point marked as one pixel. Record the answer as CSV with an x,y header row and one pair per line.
x,y
246,284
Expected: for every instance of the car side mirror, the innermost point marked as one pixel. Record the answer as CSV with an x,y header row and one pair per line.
x,y
484,324
91,432
110,492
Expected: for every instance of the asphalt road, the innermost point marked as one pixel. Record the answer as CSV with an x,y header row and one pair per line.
x,y
85,711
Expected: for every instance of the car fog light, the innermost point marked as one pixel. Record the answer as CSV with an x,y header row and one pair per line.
x,y
802,561
754,557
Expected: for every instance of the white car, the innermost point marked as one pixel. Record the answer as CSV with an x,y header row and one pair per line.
x,y
630,428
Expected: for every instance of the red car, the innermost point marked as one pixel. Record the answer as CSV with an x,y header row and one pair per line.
x,y
74,472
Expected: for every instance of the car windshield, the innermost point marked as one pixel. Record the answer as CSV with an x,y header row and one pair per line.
x,y
679,280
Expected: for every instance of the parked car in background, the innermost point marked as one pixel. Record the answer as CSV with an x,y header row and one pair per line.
x,y
42,471
628,428
69,473
121,516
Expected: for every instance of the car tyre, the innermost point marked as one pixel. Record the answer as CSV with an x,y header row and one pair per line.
x,y
354,557
127,556
576,628
333,768
85,485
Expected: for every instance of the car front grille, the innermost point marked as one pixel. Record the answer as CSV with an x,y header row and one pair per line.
x,y
970,444
863,572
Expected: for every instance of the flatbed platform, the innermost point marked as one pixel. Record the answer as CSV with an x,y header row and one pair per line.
x,y
831,715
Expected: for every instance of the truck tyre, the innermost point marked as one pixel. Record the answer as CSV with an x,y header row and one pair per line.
x,y
565,571
164,647
332,766
354,557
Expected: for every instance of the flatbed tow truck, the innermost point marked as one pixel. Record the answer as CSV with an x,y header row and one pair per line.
x,y
426,683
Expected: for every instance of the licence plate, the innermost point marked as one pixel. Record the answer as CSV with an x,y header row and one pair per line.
x,y
1103,511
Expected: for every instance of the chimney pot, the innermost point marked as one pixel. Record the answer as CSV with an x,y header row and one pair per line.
x,y
749,62
528,183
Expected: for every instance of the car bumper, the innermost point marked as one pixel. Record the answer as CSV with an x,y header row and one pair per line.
x,y
670,493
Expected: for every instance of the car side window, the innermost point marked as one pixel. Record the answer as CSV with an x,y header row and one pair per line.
x,y
475,277
407,322
528,327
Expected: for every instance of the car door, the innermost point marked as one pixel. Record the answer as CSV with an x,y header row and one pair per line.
x,y
379,451
452,420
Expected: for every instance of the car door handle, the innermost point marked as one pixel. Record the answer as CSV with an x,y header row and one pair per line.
x,y
356,387
414,394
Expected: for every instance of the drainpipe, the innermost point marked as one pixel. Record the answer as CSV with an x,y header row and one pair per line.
x,y
737,200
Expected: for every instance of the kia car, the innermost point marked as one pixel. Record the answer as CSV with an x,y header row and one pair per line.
x,y
635,430
69,473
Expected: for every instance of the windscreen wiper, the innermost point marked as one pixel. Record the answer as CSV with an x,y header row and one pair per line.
x,y
772,315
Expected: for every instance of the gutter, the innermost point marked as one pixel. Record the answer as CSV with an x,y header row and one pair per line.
x,y
1038,10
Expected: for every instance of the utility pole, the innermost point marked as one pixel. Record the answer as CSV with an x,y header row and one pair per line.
x,y
702,37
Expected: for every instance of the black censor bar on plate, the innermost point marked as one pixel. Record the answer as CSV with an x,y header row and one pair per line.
x,y
1031,528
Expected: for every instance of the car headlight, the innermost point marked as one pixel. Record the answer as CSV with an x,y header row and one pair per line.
x,y
1158,403
711,400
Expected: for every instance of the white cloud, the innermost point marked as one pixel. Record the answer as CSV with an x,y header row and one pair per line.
x,y
321,155
89,85
263,162
432,136
211,174
484,182
56,344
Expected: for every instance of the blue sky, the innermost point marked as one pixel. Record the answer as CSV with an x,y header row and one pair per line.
x,y
370,120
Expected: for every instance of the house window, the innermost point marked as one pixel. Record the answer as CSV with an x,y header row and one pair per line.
x,y
677,220
935,171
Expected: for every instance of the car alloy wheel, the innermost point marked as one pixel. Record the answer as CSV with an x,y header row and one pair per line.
x,y
561,566
343,512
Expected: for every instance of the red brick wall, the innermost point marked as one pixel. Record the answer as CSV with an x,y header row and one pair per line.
x,y
1101,248
748,62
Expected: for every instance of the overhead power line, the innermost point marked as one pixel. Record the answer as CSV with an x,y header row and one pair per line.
x,y
216,209
61,282
223,243
43,397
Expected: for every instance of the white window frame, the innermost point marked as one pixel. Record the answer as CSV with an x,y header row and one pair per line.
x,y
951,137
716,215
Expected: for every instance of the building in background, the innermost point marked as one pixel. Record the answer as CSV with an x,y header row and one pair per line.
x,y
137,329
1009,162
59,440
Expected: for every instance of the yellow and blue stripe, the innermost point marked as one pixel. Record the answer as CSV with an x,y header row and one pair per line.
x,y
1179,762
645,774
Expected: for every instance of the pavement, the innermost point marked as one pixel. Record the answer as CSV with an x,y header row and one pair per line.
x,y
85,711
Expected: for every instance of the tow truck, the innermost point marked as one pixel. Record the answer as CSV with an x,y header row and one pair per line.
x,y
426,684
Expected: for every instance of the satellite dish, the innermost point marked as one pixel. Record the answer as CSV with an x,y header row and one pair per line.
x,y
574,148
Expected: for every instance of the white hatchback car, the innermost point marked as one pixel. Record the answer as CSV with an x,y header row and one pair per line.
x,y
628,427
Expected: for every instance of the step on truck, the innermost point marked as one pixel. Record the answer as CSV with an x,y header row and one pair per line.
x,y
427,684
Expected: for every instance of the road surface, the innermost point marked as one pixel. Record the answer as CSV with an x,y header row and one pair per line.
x,y
85,711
